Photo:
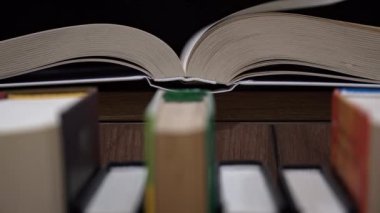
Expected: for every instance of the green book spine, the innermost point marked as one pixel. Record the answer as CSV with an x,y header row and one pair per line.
x,y
149,147
149,200
149,144
192,95
210,156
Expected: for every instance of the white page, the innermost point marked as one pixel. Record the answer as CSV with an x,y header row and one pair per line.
x,y
311,192
244,189
27,114
278,5
120,192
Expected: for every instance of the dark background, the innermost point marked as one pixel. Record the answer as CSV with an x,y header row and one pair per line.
x,y
174,21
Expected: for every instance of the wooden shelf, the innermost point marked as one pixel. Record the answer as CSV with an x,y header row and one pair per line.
x,y
274,144
261,104
277,126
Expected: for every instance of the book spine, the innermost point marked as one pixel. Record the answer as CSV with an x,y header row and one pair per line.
x,y
149,198
350,147
212,171
3,95
80,144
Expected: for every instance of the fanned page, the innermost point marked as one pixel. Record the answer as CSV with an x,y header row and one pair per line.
x,y
110,43
257,47
277,5
251,47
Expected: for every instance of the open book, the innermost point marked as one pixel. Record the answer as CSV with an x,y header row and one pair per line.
x,y
250,47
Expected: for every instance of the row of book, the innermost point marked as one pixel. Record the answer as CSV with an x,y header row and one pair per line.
x,y
49,160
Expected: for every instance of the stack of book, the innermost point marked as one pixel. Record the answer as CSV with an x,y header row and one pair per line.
x,y
355,143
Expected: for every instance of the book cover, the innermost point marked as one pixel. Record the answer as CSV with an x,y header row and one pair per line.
x,y
354,138
35,151
3,95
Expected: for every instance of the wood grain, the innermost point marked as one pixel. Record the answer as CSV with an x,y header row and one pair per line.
x,y
303,143
246,141
123,105
273,144
273,105
236,106
234,141
121,142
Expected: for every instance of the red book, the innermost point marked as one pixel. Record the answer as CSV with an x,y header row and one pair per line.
x,y
355,144
3,95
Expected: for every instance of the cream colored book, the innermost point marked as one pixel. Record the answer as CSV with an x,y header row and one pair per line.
x,y
179,153
48,148
255,46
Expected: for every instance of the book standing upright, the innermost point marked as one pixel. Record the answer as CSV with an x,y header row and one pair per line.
x,y
355,144
48,148
179,152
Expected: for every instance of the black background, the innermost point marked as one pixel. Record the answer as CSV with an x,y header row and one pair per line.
x,y
174,21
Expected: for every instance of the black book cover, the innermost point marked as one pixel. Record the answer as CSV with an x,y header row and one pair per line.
x,y
80,145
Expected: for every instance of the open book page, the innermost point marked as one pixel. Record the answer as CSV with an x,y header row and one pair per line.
x,y
248,48
277,5
282,5
88,43
266,41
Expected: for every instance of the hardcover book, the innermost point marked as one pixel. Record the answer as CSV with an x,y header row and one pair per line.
x,y
179,152
355,142
254,46
48,148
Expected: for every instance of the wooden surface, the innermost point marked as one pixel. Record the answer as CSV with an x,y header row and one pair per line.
x,y
274,144
303,143
277,126
246,141
261,105
120,142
